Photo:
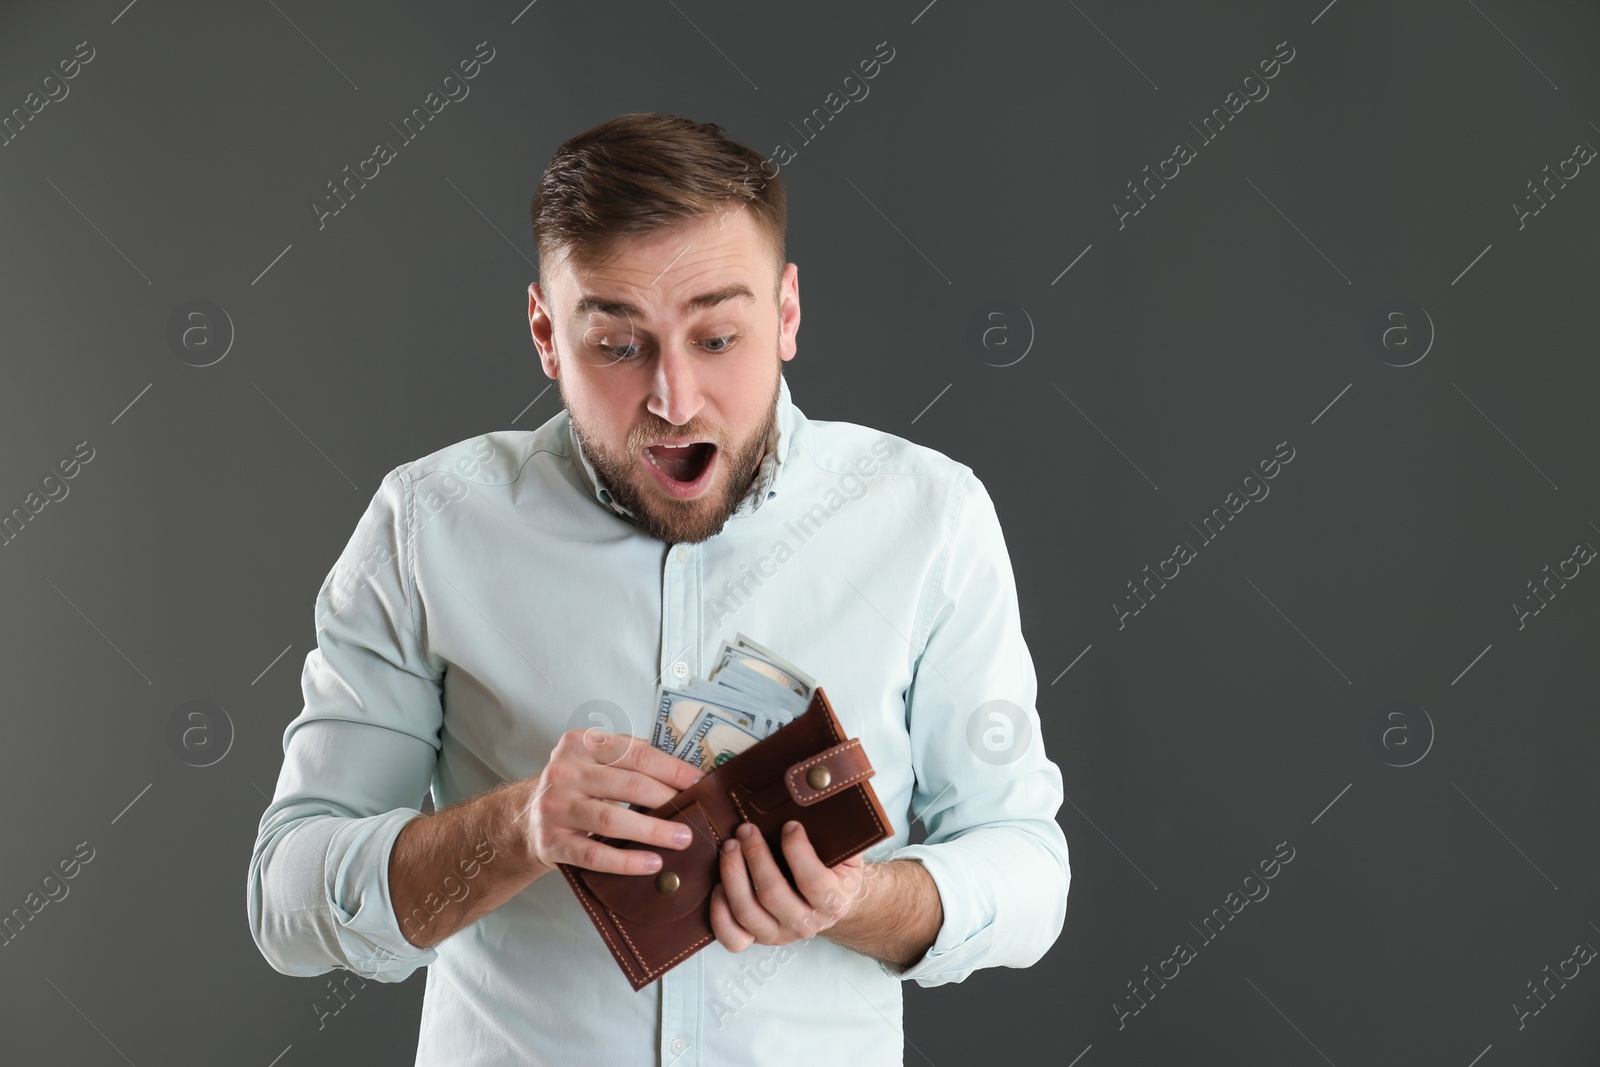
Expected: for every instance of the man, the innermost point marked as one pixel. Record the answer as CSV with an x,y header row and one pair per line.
x,y
498,624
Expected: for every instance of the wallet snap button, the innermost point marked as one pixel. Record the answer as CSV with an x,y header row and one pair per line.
x,y
667,883
819,776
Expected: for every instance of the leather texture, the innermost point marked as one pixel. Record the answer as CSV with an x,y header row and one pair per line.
x,y
807,771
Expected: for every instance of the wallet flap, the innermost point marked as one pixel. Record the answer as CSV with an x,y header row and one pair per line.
x,y
685,878
829,771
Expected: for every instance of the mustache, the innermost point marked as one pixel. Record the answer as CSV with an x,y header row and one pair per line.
x,y
644,437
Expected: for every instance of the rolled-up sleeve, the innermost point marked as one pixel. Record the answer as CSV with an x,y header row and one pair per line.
x,y
985,790
357,761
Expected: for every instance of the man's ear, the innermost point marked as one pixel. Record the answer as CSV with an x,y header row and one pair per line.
x,y
788,311
542,328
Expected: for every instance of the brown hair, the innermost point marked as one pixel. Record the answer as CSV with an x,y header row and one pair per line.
x,y
641,173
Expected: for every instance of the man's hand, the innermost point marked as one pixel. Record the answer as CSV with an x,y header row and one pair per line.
x,y
755,904
520,830
577,794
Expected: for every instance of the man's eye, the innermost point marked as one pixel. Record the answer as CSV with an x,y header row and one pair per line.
x,y
619,353
629,353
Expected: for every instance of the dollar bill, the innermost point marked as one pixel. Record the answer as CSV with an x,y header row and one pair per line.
x,y
759,687
713,740
679,710
763,660
758,704
752,693
675,713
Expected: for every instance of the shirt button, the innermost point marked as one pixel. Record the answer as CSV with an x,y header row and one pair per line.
x,y
682,553
678,1045
680,670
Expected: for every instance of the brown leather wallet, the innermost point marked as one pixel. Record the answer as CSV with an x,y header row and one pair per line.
x,y
806,771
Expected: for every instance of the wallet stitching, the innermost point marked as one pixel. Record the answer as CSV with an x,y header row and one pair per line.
x,y
638,961
865,840
871,809
652,972
840,786
862,775
595,915
797,768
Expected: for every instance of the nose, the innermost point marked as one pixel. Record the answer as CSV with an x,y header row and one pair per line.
x,y
675,391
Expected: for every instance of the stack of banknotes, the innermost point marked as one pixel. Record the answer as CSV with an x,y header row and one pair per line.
x,y
751,694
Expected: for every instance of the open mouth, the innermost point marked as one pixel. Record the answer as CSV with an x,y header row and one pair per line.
x,y
684,470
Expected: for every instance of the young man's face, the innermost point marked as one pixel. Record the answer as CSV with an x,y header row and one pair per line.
x,y
676,337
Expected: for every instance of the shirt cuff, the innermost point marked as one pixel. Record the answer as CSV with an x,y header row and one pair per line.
x,y
368,932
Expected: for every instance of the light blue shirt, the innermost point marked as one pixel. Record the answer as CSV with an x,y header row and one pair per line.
x,y
492,592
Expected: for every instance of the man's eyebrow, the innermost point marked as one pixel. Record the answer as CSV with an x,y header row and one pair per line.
x,y
694,303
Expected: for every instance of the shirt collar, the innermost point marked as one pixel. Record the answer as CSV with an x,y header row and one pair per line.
x,y
763,488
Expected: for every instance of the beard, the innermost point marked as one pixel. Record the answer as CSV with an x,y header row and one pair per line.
x,y
666,519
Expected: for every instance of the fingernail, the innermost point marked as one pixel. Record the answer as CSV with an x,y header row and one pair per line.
x,y
746,829
653,862
681,835
790,827
729,845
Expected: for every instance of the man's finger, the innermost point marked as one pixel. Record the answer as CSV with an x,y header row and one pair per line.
x,y
730,935
811,876
586,852
740,894
610,820
773,890
623,785
645,758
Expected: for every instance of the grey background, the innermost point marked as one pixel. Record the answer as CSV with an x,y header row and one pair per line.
x,y
1230,315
